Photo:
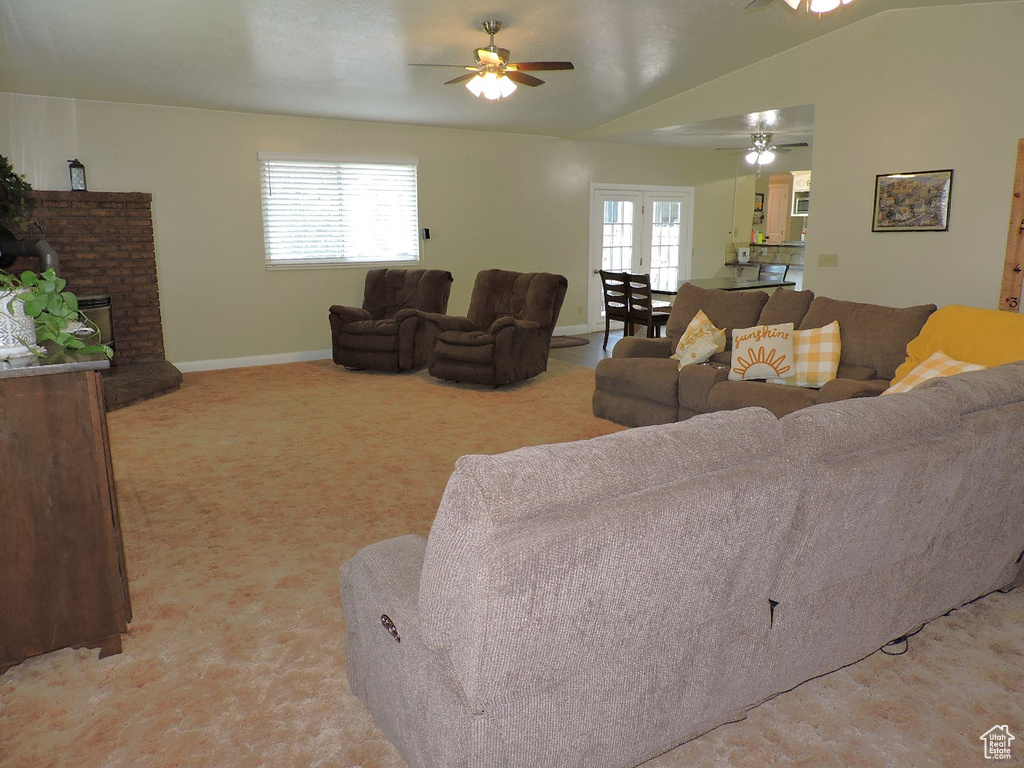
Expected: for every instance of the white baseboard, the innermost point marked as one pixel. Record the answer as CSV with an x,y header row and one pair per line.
x,y
301,357
248,362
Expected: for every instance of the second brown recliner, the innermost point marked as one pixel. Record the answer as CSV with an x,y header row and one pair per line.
x,y
505,336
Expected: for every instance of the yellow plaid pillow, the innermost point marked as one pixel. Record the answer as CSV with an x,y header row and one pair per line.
x,y
934,366
816,353
699,341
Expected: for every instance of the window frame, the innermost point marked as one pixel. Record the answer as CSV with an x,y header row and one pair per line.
x,y
335,262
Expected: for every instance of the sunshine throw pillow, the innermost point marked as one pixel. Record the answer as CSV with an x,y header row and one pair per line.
x,y
816,353
762,352
699,341
936,365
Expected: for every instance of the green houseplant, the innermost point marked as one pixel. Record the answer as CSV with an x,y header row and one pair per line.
x,y
53,311
15,203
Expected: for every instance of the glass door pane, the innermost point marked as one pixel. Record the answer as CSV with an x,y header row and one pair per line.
x,y
617,236
664,240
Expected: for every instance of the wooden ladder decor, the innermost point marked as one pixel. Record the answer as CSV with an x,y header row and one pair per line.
x,y
1013,269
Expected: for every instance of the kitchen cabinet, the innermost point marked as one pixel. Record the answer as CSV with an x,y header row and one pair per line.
x,y
801,193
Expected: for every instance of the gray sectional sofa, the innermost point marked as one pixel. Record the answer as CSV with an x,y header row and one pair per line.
x,y
597,603
640,385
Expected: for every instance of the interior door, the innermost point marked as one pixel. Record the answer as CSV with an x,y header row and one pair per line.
x,y
639,229
777,213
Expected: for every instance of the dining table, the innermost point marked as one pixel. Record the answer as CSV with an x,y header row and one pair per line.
x,y
733,284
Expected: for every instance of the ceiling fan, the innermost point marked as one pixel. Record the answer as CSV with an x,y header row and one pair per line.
x,y
813,6
493,76
763,151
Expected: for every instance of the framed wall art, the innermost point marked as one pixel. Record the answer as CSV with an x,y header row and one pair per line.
x,y
912,202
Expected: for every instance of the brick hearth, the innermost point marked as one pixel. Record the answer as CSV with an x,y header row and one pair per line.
x,y
104,241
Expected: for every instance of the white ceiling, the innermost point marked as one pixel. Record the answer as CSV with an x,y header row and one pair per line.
x,y
350,58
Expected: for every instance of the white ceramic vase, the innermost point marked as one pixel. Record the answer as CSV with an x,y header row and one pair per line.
x,y
17,330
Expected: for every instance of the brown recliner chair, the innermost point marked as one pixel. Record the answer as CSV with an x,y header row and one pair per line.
x,y
507,333
387,333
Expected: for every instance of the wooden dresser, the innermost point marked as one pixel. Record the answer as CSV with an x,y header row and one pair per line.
x,y
62,572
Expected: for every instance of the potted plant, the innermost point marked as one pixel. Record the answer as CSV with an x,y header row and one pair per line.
x,y
35,308
15,203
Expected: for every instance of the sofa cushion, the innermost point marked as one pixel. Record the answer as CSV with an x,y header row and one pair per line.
x,y
699,342
786,306
733,395
855,372
936,365
870,424
874,336
726,309
488,498
465,346
983,336
762,352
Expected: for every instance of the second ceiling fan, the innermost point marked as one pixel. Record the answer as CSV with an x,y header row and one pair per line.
x,y
493,76
763,150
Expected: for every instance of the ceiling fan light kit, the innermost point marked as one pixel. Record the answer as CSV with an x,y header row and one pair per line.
x,y
761,153
491,86
813,6
493,77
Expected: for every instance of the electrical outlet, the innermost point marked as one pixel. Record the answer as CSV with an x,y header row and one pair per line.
x,y
828,259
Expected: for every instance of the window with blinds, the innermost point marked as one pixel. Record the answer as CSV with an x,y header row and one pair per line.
x,y
326,210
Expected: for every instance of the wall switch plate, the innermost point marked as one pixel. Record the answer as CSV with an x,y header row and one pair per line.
x,y
828,259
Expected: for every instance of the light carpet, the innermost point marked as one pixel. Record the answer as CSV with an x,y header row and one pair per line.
x,y
242,493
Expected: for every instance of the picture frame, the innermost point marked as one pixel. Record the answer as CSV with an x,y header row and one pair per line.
x,y
758,202
912,202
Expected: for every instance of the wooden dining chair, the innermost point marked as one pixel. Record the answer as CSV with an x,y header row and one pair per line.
x,y
628,299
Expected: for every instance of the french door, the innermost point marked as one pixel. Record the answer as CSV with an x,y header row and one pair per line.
x,y
639,229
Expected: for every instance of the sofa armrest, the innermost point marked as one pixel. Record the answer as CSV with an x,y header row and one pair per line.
x,y
844,389
696,382
507,321
641,346
443,323
347,315
382,579
404,314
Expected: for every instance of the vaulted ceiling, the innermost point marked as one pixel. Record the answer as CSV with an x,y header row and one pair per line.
x,y
351,59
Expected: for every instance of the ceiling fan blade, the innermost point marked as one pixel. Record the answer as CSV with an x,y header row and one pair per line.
x,y
758,4
462,78
457,66
537,66
795,144
522,79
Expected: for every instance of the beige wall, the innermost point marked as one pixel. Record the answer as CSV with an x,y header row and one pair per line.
x,y
490,200
901,91
911,90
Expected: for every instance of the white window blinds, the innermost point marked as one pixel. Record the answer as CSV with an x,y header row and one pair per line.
x,y
321,210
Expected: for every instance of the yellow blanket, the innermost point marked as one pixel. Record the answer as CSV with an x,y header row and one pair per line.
x,y
982,336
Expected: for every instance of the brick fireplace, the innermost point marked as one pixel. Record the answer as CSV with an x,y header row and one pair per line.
x,y
104,241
